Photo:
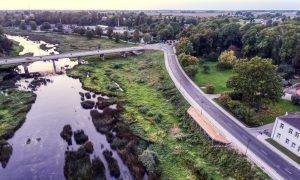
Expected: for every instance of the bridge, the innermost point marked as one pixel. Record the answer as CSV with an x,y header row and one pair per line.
x,y
272,163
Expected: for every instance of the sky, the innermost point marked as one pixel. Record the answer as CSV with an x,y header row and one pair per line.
x,y
150,4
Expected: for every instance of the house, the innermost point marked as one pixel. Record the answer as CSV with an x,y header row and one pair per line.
x,y
286,132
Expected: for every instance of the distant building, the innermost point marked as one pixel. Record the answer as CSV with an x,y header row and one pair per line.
x,y
286,132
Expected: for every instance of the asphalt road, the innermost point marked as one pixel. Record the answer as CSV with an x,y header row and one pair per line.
x,y
75,54
279,164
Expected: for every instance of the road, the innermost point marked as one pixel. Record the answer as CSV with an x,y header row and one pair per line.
x,y
276,166
194,95
19,60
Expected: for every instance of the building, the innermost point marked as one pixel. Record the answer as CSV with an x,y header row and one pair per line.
x,y
286,132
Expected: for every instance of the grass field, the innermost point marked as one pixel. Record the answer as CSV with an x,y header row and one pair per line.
x,y
215,77
155,111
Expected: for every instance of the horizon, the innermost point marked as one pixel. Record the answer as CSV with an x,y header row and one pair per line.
x,y
136,5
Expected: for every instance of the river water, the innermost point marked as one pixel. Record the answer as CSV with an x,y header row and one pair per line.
x,y
38,149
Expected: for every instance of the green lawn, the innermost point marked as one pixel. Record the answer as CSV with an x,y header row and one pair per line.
x,y
146,83
215,77
274,110
284,150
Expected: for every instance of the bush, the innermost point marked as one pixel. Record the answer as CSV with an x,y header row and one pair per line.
x,y
296,99
191,70
239,110
158,117
222,66
206,69
236,95
80,137
210,89
143,109
150,161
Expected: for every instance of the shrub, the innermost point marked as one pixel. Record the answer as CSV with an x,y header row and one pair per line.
x,y
191,70
158,117
210,89
150,161
239,110
222,66
206,69
227,59
113,166
143,109
296,99
80,137
117,66
236,95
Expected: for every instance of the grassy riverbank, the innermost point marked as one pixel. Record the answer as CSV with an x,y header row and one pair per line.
x,y
156,112
68,42
14,104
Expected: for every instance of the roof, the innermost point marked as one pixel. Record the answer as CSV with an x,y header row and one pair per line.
x,y
292,118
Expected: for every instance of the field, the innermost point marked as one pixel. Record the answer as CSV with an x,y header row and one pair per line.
x,y
219,78
156,112
216,78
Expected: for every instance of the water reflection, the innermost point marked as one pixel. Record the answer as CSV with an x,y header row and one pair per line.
x,y
38,149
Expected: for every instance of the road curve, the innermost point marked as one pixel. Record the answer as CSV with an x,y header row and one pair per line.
x,y
276,166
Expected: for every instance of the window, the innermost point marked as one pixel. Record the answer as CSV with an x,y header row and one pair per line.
x,y
278,135
281,126
291,131
293,145
287,141
296,134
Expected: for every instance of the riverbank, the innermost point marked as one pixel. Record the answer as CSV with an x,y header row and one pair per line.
x,y
14,104
68,42
155,111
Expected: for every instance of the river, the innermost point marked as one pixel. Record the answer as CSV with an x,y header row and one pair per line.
x,y
38,149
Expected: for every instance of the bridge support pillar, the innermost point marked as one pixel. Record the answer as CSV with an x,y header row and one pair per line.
x,y
79,60
25,66
54,66
102,57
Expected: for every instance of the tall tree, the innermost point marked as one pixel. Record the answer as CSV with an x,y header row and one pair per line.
x,y
184,46
257,80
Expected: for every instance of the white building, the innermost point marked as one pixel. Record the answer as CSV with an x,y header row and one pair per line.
x,y
286,131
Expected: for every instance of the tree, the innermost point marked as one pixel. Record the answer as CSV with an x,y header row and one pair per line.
x,y
79,30
136,36
23,26
89,34
187,60
227,59
59,27
98,31
147,38
33,25
257,80
117,37
125,36
230,35
184,46
45,26
110,32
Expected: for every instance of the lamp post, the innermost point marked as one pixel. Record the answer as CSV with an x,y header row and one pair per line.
x,y
247,146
